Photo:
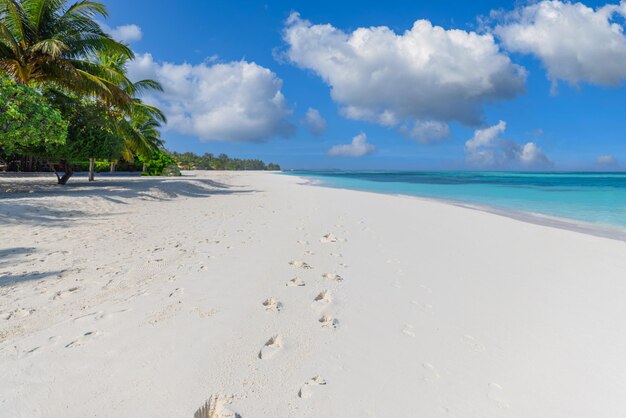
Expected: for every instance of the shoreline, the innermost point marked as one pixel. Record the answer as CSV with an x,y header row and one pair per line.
x,y
149,297
568,224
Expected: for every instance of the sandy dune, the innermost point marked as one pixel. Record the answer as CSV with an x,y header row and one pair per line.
x,y
139,297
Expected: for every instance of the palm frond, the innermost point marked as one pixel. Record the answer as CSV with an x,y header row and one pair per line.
x,y
14,17
52,47
86,8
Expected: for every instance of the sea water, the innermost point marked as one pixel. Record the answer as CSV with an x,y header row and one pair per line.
x,y
587,199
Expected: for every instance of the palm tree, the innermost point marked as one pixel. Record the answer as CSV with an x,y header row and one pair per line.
x,y
138,124
47,43
139,128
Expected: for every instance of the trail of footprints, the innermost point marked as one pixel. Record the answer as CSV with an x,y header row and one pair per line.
x,y
322,300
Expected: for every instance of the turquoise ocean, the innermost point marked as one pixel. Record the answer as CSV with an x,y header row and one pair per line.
x,y
595,202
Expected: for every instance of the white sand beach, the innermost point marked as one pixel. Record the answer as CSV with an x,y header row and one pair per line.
x,y
145,297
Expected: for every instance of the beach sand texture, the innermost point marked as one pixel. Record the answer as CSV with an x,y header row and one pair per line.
x,y
266,297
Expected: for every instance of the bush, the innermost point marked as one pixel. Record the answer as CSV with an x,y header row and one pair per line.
x,y
172,171
103,166
157,164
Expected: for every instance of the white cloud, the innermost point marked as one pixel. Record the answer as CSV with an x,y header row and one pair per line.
x,y
427,132
426,75
531,155
574,42
315,123
124,33
487,148
607,161
359,147
236,101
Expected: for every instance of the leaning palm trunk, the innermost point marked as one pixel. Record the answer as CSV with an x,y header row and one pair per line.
x,y
92,166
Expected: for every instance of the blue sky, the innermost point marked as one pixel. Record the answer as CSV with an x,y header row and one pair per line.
x,y
571,128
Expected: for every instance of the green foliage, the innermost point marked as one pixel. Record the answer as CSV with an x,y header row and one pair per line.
x,y
102,166
50,42
29,125
273,167
138,123
172,170
158,163
207,161
91,130
55,44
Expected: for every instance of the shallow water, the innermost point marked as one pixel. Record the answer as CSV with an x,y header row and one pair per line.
x,y
598,199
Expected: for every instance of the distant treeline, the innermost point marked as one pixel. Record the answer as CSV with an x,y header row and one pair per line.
x,y
207,161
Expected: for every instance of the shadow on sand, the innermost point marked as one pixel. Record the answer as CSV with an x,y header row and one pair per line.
x,y
7,259
20,199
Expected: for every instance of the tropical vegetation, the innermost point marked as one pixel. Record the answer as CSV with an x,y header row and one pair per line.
x,y
207,161
66,102
28,123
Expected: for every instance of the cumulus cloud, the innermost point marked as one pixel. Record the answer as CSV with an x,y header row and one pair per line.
x,y
359,147
427,132
236,101
574,42
487,148
607,161
314,122
425,77
124,33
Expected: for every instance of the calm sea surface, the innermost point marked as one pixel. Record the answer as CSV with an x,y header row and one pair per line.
x,y
592,199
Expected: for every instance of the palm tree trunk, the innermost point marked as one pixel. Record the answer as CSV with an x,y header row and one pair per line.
x,y
92,166
145,168
112,167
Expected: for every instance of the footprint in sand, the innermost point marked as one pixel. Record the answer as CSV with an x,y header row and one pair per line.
x,y
328,238
81,340
62,293
19,313
309,252
308,389
332,276
272,305
474,344
423,306
321,300
52,341
429,372
300,264
426,288
328,322
216,407
303,242
496,394
177,292
271,347
336,255
95,316
409,330
295,282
